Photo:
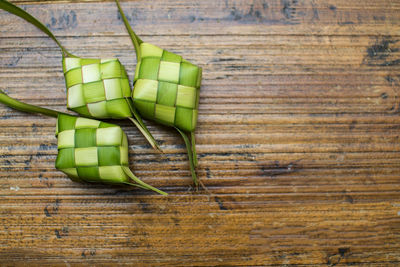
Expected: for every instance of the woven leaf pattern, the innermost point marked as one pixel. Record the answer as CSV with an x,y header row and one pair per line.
x,y
91,150
167,88
97,88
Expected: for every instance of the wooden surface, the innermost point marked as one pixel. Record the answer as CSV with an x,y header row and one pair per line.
x,y
298,137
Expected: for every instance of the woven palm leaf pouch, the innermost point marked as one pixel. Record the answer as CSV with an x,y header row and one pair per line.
x,y
96,88
166,90
88,150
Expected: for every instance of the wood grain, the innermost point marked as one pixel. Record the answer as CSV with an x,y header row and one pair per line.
x,y
298,138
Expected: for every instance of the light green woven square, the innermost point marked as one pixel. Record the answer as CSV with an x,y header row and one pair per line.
x,y
86,123
91,73
112,88
85,157
75,96
70,63
98,110
111,136
112,173
186,96
66,139
149,50
145,90
169,72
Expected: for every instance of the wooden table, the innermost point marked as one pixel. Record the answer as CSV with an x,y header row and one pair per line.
x,y
298,137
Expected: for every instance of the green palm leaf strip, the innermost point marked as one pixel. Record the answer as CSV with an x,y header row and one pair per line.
x,y
96,88
190,154
88,150
166,89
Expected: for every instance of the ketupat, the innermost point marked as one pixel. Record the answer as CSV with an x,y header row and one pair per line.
x,y
166,90
88,150
96,88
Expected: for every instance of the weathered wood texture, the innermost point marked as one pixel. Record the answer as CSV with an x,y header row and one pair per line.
x,y
298,137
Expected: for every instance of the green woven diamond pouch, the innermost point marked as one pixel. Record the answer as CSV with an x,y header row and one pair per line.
x,y
88,150
96,88
166,89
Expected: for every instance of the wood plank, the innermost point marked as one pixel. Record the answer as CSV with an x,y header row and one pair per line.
x,y
298,137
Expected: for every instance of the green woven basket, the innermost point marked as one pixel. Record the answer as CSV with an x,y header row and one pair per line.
x,y
88,150
166,89
96,88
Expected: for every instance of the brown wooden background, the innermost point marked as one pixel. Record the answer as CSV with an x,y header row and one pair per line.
x,y
298,137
